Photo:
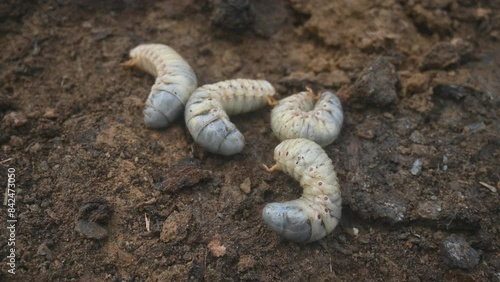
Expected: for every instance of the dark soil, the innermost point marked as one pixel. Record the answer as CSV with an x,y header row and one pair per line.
x,y
419,80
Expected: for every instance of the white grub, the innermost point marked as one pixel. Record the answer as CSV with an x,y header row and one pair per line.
x,y
175,81
208,108
317,212
298,116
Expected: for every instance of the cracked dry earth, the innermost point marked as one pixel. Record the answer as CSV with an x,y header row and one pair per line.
x,y
100,197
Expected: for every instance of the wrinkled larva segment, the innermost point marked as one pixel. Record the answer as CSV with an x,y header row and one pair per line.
x,y
208,108
298,117
175,81
317,212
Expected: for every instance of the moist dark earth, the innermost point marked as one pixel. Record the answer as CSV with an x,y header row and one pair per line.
x,y
100,197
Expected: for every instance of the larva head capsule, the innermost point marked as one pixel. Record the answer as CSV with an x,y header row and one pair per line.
x,y
288,220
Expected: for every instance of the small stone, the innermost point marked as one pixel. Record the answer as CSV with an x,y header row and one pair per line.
x,y
417,137
14,120
45,204
417,167
473,128
245,186
462,47
92,218
44,250
175,227
35,148
96,211
453,91
43,166
355,232
392,210
216,248
445,163
16,141
91,230
376,84
50,113
495,35
34,208
440,56
458,253
429,210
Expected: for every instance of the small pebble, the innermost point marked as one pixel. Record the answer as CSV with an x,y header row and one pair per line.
x,y
429,210
355,231
417,137
44,250
440,56
376,85
445,163
50,113
16,141
456,92
175,228
417,167
473,128
91,230
458,253
92,219
14,120
43,166
246,185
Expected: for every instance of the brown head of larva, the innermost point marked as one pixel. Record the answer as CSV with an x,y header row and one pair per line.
x,y
310,92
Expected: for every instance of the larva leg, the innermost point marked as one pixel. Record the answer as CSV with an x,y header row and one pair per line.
x,y
129,64
271,101
310,92
317,212
175,81
269,169
208,107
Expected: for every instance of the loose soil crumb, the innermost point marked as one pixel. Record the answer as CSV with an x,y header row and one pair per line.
x,y
216,248
71,125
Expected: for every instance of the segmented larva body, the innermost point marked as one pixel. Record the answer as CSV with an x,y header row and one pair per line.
x,y
298,117
208,108
317,212
175,81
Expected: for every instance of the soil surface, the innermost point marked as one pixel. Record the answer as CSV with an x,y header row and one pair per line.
x,y
100,197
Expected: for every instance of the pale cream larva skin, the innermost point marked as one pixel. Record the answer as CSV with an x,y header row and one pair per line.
x,y
298,117
317,212
175,81
208,108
